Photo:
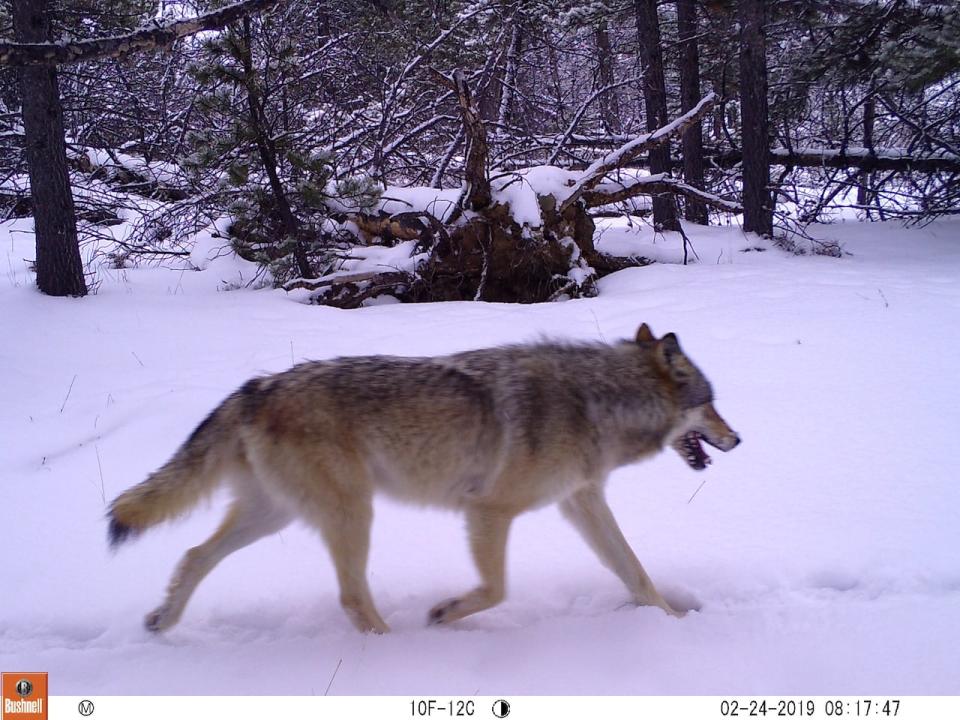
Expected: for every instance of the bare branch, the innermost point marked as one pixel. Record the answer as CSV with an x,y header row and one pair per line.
x,y
608,193
597,170
558,148
158,35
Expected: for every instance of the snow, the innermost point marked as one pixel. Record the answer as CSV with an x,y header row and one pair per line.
x,y
821,552
211,251
718,245
519,189
396,200
378,258
163,173
439,203
579,272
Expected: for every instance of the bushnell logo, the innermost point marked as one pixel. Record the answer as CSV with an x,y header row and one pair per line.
x,y
24,696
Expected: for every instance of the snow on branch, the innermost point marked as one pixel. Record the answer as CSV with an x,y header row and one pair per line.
x,y
155,35
613,160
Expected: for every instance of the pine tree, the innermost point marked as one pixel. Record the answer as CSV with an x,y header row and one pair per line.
x,y
692,150
655,101
757,198
256,140
59,268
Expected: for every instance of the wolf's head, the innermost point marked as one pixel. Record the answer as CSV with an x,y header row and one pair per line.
x,y
697,420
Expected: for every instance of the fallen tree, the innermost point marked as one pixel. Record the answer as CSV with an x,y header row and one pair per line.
x,y
511,236
866,159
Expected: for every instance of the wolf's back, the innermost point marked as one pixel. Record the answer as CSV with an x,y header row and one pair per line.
x,y
192,473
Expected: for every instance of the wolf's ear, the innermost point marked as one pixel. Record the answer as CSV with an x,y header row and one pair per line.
x,y
670,345
645,334
672,359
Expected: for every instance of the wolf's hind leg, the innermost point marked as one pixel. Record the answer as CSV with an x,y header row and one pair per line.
x,y
488,529
344,521
588,511
248,519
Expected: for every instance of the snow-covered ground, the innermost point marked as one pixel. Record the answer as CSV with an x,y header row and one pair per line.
x,y
823,552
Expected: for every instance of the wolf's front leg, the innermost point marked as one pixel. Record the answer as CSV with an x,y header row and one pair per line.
x,y
488,529
590,514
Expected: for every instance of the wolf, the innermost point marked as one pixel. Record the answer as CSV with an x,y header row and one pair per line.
x,y
492,433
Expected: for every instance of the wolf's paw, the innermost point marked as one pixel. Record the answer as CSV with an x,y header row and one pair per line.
x,y
158,620
443,612
681,601
374,626
670,607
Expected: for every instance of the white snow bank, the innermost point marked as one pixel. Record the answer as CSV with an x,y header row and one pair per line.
x,y
625,237
212,252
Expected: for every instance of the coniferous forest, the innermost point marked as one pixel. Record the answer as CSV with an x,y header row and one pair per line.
x,y
491,134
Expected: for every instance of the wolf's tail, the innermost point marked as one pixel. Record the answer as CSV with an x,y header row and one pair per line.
x,y
192,473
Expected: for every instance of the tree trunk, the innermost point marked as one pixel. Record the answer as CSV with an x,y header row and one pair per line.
x,y
655,99
609,105
59,269
505,114
692,147
869,116
757,200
